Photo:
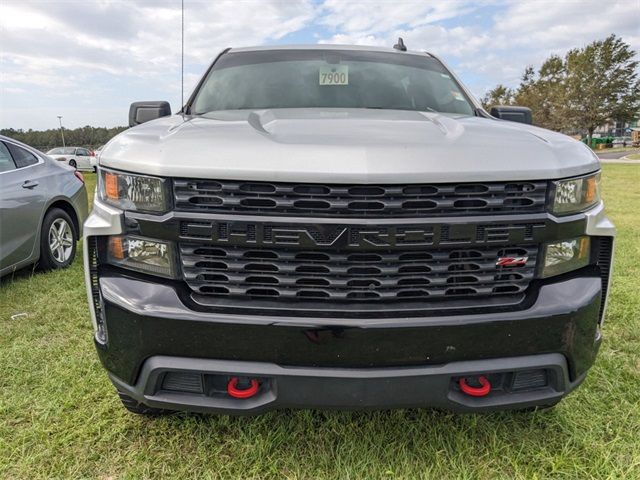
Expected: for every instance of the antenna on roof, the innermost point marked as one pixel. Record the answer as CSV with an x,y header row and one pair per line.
x,y
182,62
400,45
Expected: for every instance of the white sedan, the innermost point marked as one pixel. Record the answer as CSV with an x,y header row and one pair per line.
x,y
77,157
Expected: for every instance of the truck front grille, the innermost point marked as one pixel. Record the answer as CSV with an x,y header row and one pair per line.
x,y
325,200
337,275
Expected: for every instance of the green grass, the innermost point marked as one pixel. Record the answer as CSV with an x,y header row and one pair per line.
x,y
634,156
60,418
615,149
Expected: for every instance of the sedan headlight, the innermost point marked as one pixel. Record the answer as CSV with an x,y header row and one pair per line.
x,y
565,256
575,194
133,192
142,254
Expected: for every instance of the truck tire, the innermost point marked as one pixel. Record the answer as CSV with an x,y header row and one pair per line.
x,y
58,240
138,408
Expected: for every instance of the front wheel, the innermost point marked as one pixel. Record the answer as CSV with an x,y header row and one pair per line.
x,y
57,240
72,163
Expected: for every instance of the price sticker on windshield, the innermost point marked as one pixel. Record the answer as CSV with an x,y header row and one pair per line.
x,y
334,75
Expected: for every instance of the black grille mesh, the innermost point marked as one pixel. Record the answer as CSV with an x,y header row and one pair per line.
x,y
92,245
335,275
306,200
605,252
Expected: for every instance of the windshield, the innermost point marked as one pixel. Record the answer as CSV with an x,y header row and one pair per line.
x,y
329,79
62,151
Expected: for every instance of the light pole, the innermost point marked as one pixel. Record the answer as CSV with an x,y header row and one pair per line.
x,y
61,129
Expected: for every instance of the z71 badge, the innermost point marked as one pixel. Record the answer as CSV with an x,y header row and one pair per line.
x,y
512,261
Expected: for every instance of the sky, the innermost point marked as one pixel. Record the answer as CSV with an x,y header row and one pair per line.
x,y
88,60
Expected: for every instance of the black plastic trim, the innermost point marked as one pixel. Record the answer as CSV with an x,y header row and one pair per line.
x,y
546,227
308,199
408,387
602,250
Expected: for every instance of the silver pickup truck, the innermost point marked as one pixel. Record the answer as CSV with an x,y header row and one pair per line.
x,y
344,227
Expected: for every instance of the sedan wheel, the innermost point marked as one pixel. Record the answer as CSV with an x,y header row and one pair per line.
x,y
72,163
57,240
60,240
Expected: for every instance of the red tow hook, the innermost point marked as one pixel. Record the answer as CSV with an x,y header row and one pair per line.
x,y
481,391
235,392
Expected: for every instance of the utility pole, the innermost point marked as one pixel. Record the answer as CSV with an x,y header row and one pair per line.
x,y
61,129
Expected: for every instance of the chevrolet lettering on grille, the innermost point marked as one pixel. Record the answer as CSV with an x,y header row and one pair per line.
x,y
359,236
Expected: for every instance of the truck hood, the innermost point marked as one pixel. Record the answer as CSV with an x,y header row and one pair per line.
x,y
346,146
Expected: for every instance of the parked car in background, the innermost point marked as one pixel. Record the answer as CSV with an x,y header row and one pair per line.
x,y
77,157
98,150
43,205
622,141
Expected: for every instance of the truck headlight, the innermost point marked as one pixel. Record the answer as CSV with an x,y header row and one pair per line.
x,y
133,192
575,194
565,256
142,254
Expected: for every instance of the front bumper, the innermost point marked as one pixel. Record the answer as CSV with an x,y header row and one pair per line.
x,y
346,363
300,387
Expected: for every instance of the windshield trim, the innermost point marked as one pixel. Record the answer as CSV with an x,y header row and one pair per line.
x,y
186,109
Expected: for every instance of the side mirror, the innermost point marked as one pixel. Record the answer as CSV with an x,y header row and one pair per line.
x,y
141,112
513,114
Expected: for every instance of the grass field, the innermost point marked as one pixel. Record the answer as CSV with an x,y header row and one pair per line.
x,y
60,418
615,149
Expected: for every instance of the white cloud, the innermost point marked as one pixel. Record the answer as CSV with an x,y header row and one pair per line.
x,y
84,48
105,53
522,33
144,37
526,33
374,17
564,24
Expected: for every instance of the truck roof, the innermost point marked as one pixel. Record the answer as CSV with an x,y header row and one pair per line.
x,y
327,46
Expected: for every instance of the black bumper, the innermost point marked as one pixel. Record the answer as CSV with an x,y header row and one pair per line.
x,y
347,363
408,387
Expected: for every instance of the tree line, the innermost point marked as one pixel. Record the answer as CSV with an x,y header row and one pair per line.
x,y
579,92
89,137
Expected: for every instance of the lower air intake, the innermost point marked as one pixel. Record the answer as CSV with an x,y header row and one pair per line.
x,y
528,379
182,382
